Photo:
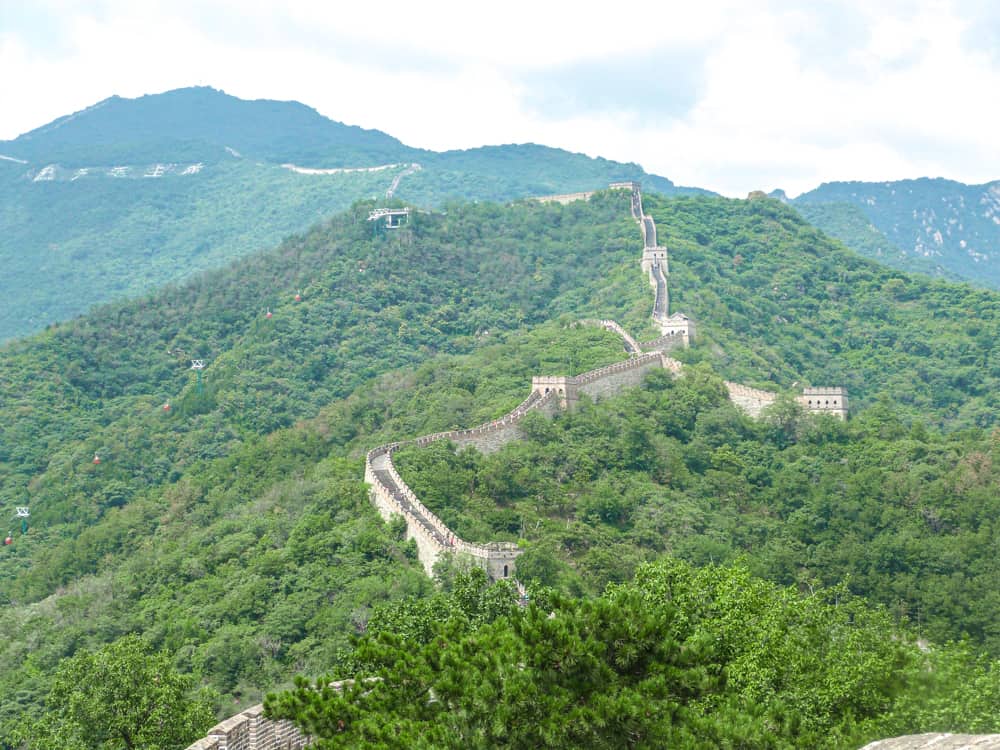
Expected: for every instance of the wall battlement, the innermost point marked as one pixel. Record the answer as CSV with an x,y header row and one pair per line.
x,y
564,198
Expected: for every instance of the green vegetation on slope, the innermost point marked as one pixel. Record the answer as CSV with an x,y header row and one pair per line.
x,y
234,531
680,657
778,302
68,246
933,222
197,124
848,223
73,239
243,550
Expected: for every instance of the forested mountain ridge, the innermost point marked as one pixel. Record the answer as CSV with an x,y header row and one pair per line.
x,y
933,226
234,531
130,194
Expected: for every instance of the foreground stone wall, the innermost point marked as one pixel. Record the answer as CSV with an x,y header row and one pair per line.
x,y
249,730
937,741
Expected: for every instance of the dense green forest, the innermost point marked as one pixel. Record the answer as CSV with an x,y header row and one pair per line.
x,y
68,246
233,529
679,657
848,223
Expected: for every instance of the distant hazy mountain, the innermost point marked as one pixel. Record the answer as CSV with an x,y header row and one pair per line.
x,y
200,124
130,194
928,225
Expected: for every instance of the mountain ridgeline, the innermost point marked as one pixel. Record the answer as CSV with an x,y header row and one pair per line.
x,y
233,530
935,226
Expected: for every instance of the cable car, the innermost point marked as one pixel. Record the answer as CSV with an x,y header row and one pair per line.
x,y
268,316
97,459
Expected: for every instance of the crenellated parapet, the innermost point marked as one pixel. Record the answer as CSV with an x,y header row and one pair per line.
x,y
393,497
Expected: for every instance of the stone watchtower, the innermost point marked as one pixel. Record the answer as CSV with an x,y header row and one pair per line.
x,y
652,256
564,386
679,325
825,400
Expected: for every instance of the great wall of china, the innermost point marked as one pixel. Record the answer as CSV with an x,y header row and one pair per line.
x,y
550,394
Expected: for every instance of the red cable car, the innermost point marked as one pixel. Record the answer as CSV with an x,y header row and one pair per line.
x,y
97,459
298,296
268,316
166,406
9,540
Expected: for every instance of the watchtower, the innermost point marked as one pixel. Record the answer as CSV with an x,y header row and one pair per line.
x,y
680,325
564,387
655,256
825,400
394,217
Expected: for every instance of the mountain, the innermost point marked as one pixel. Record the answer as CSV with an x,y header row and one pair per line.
x,y
130,194
932,226
233,530
201,124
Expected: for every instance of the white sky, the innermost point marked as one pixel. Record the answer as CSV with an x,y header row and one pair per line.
x,y
730,96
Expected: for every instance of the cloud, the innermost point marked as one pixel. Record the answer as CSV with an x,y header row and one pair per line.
x,y
660,83
726,95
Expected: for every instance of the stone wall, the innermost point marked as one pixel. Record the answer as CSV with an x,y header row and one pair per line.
x,y
665,343
393,497
655,256
750,400
249,730
938,741
609,380
564,198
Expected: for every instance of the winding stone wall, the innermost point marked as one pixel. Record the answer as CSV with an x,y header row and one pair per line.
x,y
249,730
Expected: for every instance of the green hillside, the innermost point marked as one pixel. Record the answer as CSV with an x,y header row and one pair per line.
x,y
234,531
926,225
128,195
777,302
848,223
